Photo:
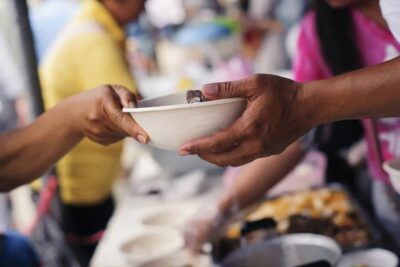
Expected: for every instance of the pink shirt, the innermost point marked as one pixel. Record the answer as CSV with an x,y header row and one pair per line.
x,y
376,45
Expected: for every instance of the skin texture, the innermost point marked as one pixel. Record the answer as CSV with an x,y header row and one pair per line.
x,y
27,152
269,114
124,11
280,111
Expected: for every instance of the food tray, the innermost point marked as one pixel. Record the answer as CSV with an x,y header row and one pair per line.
x,y
227,244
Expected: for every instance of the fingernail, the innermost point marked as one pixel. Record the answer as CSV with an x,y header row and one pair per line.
x,y
141,139
131,104
210,89
184,153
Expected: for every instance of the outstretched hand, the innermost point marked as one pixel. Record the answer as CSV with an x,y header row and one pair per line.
x,y
100,115
276,116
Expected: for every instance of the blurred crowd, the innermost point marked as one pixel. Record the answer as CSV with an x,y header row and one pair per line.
x,y
156,47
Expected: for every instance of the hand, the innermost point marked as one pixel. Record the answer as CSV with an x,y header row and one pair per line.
x,y
276,115
99,115
209,222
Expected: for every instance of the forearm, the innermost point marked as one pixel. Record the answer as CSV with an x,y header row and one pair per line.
x,y
27,152
258,177
370,92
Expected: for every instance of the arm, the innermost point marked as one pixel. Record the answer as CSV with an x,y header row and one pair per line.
x,y
257,177
254,180
27,152
371,92
279,110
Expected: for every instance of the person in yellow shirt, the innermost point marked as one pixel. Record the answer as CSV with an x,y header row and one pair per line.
x,y
89,52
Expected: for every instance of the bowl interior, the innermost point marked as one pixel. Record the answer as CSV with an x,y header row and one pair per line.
x,y
172,99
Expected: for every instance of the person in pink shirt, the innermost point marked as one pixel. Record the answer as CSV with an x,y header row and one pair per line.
x,y
336,36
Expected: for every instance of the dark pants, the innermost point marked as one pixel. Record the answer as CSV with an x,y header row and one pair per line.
x,y
84,226
17,251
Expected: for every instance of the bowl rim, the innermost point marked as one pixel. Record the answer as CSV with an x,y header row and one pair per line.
x,y
127,244
387,166
183,106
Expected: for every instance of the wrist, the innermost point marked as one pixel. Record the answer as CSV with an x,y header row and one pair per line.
x,y
73,117
228,204
315,108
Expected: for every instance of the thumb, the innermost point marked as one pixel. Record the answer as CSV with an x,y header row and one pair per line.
x,y
240,88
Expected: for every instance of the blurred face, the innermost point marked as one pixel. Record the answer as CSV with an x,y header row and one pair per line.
x,y
124,11
341,3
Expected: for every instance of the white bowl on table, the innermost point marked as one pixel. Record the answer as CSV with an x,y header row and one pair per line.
x,y
171,122
371,257
175,216
152,245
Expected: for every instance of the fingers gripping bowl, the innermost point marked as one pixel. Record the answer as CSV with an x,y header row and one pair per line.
x,y
171,122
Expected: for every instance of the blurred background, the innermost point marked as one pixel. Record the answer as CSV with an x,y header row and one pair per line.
x,y
96,204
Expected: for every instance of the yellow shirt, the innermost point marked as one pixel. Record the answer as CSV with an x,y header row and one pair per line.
x,y
90,52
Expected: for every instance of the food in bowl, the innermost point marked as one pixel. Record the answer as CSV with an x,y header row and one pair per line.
x,y
195,96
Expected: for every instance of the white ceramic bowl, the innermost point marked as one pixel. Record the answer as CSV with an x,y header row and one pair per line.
x,y
179,259
152,245
171,122
392,167
371,258
171,216
286,251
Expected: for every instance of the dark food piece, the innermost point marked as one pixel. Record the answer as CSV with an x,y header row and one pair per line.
x,y
321,263
347,237
352,237
195,96
263,224
302,224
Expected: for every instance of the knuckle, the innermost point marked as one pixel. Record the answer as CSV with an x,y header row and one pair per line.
x,y
254,128
117,117
216,147
228,88
93,117
105,92
259,79
97,131
250,131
